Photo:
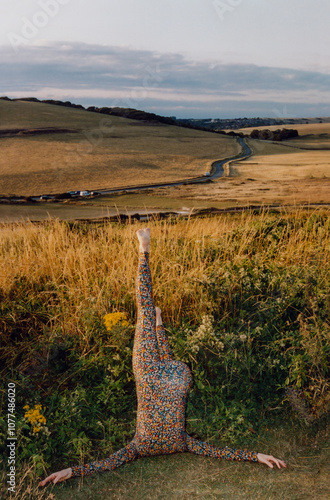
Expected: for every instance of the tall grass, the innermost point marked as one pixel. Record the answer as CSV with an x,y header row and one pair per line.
x,y
96,266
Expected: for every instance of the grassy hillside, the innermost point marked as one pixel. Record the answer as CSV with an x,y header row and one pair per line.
x,y
101,151
245,303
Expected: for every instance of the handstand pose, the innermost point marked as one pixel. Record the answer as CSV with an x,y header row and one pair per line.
x,y
162,386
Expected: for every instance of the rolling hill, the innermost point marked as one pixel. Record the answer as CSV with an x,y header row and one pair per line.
x,y
51,149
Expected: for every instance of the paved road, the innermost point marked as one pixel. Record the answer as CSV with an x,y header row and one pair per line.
x,y
216,172
218,165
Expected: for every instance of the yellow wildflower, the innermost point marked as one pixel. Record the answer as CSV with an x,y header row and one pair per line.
x,y
112,319
35,418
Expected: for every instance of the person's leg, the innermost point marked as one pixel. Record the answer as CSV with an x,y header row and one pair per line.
x,y
164,349
145,353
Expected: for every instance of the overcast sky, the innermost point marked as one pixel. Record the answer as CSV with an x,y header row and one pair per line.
x,y
187,58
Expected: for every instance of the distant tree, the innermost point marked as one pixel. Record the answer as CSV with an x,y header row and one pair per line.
x,y
276,135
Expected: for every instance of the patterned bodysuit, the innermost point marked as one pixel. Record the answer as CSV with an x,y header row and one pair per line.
x,y
162,386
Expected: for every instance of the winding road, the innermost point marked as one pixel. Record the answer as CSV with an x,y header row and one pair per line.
x,y
216,172
217,166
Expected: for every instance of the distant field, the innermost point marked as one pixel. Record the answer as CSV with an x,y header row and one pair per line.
x,y
280,162
275,173
103,152
311,135
104,207
303,128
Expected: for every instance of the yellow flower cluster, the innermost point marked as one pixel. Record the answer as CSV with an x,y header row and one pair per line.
x,y
112,319
34,417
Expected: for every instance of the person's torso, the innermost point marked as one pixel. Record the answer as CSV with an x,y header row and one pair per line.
x,y
162,396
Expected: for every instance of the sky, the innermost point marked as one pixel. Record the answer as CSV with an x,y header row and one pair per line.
x,y
183,58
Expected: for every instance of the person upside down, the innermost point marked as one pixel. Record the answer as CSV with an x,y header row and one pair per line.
x,y
162,386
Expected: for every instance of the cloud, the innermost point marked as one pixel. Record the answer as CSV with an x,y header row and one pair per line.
x,y
96,74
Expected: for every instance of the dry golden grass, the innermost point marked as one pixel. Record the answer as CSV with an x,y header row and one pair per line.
x,y
99,265
143,203
107,257
241,191
23,114
63,211
272,162
106,151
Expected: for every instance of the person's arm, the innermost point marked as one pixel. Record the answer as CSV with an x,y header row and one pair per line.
x,y
115,460
206,449
201,448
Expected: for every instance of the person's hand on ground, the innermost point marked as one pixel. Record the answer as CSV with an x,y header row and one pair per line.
x,y
57,477
270,460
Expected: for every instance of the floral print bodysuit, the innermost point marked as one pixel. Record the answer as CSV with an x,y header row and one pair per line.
x,y
162,385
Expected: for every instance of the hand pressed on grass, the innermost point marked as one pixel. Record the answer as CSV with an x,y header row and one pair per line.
x,y
57,477
270,460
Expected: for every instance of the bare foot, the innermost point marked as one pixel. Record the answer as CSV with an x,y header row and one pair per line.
x,y
144,239
158,317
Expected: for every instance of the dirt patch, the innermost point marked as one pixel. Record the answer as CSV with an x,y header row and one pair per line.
x,y
34,131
